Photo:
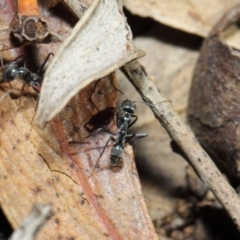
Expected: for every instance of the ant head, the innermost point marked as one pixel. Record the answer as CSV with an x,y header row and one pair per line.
x,y
35,79
129,106
10,72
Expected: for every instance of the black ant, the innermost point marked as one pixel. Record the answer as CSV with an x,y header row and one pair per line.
x,y
121,137
13,71
128,108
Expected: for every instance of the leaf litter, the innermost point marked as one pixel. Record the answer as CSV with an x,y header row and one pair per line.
x,y
42,167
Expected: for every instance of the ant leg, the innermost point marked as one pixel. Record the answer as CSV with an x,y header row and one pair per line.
x,y
100,156
35,89
120,92
132,137
136,118
10,85
118,120
35,110
24,56
108,131
141,135
104,129
44,63
91,134
94,133
21,94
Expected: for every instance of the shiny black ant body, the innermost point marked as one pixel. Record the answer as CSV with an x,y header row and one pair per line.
x,y
125,121
13,71
128,108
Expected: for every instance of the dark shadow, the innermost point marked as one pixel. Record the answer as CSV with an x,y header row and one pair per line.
x,y
139,25
218,225
5,227
100,119
159,178
147,27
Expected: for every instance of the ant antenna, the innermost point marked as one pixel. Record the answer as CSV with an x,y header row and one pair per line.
x,y
120,92
44,63
148,104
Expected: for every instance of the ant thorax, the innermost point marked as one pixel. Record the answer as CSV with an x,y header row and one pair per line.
x,y
32,79
126,118
122,132
12,71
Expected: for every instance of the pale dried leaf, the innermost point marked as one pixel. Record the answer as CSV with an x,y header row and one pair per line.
x,y
99,44
193,16
32,223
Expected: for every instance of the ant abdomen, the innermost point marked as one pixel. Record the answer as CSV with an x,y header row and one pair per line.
x,y
10,72
116,154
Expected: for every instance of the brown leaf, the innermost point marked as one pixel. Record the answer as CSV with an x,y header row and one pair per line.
x,y
197,17
40,167
214,99
7,11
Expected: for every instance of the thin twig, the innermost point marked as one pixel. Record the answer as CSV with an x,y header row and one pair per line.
x,y
78,7
184,137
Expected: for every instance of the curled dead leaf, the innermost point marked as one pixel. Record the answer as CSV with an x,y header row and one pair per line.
x,y
196,17
100,43
214,99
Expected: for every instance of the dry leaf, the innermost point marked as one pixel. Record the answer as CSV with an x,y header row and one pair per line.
x,y
197,17
5,41
32,223
41,167
214,100
24,28
7,9
99,44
